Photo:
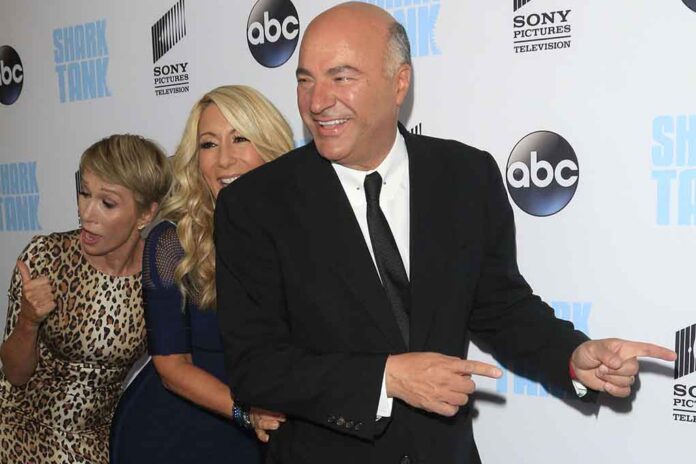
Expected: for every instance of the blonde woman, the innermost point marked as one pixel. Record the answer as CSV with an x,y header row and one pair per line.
x,y
185,413
75,320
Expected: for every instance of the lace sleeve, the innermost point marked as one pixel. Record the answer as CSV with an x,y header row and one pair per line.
x,y
168,330
161,256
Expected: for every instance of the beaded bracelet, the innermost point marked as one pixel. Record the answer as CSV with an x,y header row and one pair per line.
x,y
241,416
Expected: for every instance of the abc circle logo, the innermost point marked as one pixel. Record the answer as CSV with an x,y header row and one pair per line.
x,y
542,173
273,30
11,75
691,4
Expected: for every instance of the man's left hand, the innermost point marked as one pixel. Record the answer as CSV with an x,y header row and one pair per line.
x,y
611,365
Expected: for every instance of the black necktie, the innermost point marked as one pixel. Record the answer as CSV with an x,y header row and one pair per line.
x,y
389,264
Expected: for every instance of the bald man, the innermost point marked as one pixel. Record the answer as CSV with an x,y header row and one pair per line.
x,y
351,270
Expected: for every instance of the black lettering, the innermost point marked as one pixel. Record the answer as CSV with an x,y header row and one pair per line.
x,y
548,18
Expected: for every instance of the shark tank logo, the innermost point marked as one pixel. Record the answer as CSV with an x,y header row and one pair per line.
x,y
674,169
81,56
19,197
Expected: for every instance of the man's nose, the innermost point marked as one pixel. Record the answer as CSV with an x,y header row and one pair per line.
x,y
321,98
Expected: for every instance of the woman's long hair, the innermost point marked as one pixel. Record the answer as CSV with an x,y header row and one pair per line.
x,y
191,203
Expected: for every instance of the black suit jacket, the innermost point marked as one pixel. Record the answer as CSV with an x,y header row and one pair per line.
x,y
306,323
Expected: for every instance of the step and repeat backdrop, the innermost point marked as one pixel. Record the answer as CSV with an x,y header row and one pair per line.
x,y
588,107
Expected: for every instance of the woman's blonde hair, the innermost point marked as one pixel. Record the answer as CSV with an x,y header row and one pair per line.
x,y
133,162
191,202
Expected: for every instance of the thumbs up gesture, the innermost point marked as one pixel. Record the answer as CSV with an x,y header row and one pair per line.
x,y
37,296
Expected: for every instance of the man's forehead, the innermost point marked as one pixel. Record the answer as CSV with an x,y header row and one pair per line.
x,y
337,48
345,28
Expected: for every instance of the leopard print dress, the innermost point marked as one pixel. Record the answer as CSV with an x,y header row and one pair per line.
x,y
86,348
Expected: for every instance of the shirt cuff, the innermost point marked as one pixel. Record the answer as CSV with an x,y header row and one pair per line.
x,y
384,407
580,389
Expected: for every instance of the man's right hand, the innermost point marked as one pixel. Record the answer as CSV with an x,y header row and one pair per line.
x,y
434,382
264,421
37,297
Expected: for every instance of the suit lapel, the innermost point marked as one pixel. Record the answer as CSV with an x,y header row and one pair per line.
x,y
433,239
337,234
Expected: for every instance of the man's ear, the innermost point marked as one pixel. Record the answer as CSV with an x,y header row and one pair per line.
x,y
402,81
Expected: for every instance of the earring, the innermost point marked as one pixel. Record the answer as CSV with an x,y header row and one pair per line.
x,y
141,226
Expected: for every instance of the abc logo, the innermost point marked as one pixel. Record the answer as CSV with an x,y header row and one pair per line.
x,y
542,173
691,4
273,31
11,75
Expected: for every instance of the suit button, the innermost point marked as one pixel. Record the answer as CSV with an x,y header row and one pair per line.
x,y
358,426
331,419
405,459
349,424
340,421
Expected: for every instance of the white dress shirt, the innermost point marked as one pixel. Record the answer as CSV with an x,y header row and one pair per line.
x,y
394,201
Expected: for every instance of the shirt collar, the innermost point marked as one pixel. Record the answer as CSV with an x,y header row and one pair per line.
x,y
393,170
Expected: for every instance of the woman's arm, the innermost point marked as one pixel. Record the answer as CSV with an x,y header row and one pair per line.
x,y
19,353
30,304
181,376
169,341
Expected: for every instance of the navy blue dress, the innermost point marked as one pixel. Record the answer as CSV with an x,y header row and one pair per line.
x,y
152,424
